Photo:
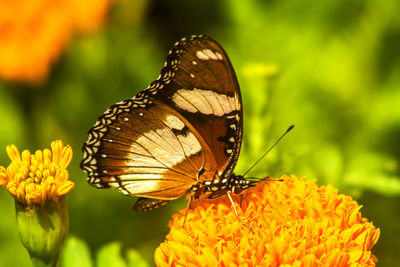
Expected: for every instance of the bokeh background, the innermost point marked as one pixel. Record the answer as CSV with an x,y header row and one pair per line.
x,y
330,67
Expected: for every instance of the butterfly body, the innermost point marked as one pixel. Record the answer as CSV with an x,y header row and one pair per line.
x,y
181,135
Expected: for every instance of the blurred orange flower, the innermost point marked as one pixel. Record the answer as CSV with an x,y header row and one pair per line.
x,y
295,223
33,33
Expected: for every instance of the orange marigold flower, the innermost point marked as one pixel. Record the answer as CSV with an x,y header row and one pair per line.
x,y
295,223
37,178
33,33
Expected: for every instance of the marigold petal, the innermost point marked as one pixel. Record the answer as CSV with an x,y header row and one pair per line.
x,y
65,188
207,257
309,260
39,157
227,259
66,157
13,153
11,187
47,157
3,176
26,157
374,237
20,190
56,148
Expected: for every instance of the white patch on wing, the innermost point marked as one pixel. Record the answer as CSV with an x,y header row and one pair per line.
x,y
144,176
183,103
113,182
138,187
236,102
201,55
196,99
219,56
135,160
174,122
164,152
190,144
207,54
149,186
162,148
137,148
169,140
205,101
213,100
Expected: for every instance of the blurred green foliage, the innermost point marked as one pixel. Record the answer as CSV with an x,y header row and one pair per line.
x,y
329,67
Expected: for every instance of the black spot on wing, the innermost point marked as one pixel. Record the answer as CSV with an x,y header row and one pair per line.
x,y
183,132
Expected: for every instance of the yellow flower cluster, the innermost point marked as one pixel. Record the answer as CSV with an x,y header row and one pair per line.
x,y
294,223
37,178
33,33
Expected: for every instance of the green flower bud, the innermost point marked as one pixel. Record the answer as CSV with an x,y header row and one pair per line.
x,y
43,230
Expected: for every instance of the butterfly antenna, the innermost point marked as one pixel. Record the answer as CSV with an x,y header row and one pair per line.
x,y
276,142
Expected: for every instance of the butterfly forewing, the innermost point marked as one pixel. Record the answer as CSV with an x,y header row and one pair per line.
x,y
199,82
186,127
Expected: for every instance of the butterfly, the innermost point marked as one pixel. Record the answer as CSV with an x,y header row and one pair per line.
x,y
182,135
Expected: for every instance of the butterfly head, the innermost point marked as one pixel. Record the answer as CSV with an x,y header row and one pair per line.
x,y
237,183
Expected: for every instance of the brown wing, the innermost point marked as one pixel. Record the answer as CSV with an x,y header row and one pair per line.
x,y
199,82
145,148
187,126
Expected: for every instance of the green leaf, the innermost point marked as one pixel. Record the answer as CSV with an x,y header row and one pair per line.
x,y
135,259
75,253
110,256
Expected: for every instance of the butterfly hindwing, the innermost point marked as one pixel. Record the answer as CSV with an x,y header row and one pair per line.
x,y
145,148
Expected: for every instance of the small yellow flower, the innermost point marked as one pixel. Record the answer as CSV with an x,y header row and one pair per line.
x,y
40,177
39,183
295,223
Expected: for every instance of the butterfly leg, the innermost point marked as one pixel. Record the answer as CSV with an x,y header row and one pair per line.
x,y
188,207
235,211
143,204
